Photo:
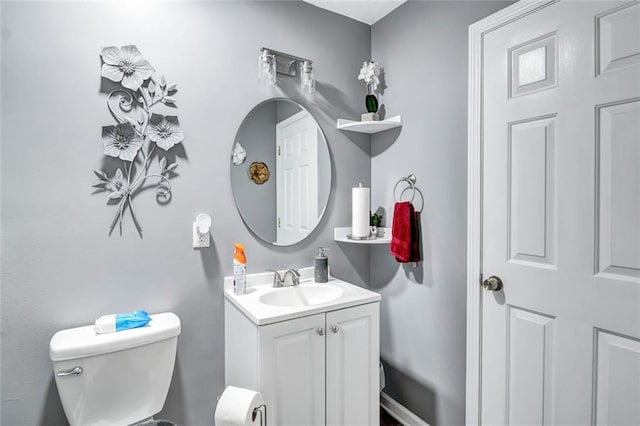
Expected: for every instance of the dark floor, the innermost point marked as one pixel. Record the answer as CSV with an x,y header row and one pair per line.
x,y
387,420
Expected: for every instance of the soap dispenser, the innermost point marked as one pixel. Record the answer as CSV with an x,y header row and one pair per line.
x,y
321,266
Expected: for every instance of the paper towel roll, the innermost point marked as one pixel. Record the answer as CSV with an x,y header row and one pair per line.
x,y
235,407
360,201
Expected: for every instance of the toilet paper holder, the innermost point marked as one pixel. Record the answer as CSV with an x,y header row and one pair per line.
x,y
257,410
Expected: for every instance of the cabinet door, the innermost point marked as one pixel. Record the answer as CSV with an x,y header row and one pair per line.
x,y
353,372
292,363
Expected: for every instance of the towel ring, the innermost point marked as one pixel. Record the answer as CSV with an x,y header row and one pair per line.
x,y
416,189
411,180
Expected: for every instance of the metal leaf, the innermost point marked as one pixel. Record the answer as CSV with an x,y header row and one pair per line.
x,y
145,95
172,87
163,163
130,121
169,100
99,184
118,176
151,87
115,195
171,167
102,175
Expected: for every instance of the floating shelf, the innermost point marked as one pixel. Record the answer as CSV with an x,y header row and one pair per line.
x,y
340,235
369,127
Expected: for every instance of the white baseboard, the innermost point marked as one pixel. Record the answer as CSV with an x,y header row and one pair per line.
x,y
400,412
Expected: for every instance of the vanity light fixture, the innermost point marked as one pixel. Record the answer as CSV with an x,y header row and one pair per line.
x,y
271,62
307,77
267,67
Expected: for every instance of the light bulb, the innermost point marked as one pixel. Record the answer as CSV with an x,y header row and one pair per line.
x,y
307,77
267,67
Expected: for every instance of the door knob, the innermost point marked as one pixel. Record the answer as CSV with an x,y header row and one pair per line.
x,y
492,283
335,328
321,331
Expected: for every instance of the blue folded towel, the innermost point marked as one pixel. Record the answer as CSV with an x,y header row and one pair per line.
x,y
119,322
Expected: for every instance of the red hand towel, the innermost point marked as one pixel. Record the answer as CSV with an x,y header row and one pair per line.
x,y
404,233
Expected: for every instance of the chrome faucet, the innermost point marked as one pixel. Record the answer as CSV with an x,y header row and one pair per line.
x,y
295,277
277,279
281,281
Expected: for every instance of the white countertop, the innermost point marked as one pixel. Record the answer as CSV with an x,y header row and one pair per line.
x,y
260,284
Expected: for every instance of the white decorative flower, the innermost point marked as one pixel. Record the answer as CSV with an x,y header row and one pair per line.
x,y
125,65
164,131
121,141
369,73
239,154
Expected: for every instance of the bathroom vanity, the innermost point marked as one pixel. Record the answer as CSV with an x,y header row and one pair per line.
x,y
312,350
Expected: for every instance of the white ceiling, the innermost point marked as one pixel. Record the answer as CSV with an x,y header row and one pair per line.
x,y
367,11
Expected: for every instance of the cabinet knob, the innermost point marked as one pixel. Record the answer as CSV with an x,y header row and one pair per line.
x,y
335,328
321,331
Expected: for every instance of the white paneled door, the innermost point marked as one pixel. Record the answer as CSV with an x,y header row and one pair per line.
x,y
296,178
561,217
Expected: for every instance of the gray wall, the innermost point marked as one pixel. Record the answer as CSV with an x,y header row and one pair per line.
x,y
285,110
257,135
60,269
422,47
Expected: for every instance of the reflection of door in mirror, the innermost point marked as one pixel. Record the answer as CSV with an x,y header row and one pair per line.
x,y
297,177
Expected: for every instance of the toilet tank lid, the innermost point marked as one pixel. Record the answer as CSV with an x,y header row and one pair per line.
x,y
82,342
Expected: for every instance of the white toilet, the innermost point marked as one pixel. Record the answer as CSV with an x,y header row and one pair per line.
x,y
119,378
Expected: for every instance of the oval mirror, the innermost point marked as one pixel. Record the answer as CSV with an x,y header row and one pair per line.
x,y
280,172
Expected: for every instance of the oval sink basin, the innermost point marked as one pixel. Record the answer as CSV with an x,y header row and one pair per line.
x,y
305,295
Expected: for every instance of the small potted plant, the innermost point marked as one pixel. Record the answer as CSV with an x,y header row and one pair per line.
x,y
369,74
375,222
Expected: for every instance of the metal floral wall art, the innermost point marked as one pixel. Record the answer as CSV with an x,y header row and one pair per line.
x,y
138,132
239,154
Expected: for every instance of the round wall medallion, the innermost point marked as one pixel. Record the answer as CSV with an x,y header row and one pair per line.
x,y
258,172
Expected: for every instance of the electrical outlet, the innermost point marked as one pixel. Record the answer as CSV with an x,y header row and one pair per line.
x,y
200,240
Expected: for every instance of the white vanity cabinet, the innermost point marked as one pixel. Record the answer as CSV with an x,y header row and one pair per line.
x,y
353,366
320,369
291,364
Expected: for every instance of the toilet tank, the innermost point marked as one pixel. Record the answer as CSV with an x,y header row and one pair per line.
x,y
124,376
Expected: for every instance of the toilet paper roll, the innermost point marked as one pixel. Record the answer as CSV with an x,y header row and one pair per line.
x,y
235,407
360,200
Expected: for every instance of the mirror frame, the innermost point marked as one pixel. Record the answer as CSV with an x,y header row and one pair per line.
x,y
326,144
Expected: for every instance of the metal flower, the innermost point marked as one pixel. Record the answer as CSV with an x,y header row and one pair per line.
x,y
239,154
125,65
164,131
121,141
